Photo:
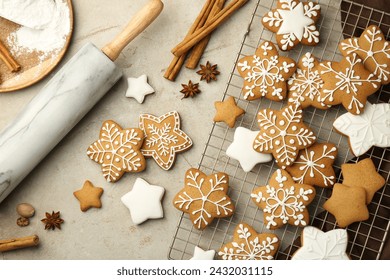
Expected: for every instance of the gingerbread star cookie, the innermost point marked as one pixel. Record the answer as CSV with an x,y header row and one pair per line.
x,y
265,73
247,244
314,165
294,22
204,197
227,111
200,254
283,134
373,49
163,138
89,196
118,151
283,201
138,88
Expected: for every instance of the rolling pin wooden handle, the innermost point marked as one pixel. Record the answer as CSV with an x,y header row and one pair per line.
x,y
137,24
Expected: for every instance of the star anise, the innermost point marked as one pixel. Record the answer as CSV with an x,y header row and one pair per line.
x,y
190,90
208,72
53,220
22,222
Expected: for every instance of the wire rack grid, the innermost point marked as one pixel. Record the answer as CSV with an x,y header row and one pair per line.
x,y
366,239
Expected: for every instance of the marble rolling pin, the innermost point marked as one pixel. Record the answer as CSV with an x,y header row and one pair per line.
x,y
63,102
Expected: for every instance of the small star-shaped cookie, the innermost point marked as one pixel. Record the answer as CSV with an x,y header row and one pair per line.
x,y
242,150
284,201
227,111
265,73
347,204
144,201
371,128
89,196
163,138
200,254
363,174
138,88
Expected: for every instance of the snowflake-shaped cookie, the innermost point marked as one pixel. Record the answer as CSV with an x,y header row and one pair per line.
x,y
265,73
284,201
347,82
247,244
118,151
373,48
283,134
163,138
294,22
305,85
204,197
371,128
314,165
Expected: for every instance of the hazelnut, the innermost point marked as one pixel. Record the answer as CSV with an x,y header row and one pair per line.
x,y
25,210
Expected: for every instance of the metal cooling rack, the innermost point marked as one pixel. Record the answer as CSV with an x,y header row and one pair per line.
x,y
366,239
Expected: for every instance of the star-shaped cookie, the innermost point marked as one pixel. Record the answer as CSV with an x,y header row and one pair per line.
x,y
204,197
118,151
200,254
138,88
242,150
227,111
163,138
265,73
247,244
373,49
371,128
144,201
283,134
294,22
89,196
283,201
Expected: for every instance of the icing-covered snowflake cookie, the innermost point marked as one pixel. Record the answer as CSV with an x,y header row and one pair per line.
x,y
247,244
373,48
265,73
284,201
204,197
163,138
314,165
118,151
294,22
283,134
348,83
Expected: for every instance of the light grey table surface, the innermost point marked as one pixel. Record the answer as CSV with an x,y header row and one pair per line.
x,y
109,233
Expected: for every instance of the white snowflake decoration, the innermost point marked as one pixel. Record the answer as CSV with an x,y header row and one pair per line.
x,y
161,137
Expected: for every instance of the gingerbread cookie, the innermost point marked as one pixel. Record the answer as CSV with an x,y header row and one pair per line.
x,y
118,151
204,197
227,111
283,134
200,254
348,83
247,244
89,196
373,49
314,165
163,138
265,73
138,88
294,22
284,201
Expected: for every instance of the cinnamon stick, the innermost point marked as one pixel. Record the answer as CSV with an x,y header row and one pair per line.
x,y
18,243
8,59
204,31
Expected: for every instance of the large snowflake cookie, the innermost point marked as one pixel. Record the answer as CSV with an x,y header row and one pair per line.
x,y
118,151
265,73
284,201
247,244
163,138
319,245
348,83
283,134
371,128
204,197
294,22
373,48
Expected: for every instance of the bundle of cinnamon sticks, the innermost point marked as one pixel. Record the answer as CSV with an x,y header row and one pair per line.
x,y
210,17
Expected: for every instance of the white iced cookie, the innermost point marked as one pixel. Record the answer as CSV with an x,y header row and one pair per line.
x,y
200,254
144,201
138,88
242,150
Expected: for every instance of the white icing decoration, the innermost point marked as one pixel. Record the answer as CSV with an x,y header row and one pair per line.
x,y
319,245
371,128
144,201
138,88
200,254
